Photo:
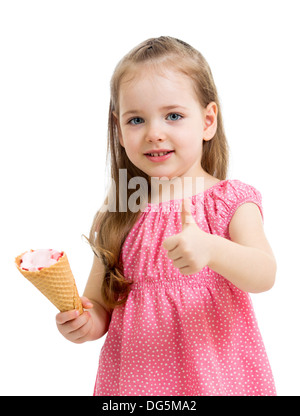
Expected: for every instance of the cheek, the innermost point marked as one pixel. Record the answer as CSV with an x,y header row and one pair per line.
x,y
132,150
133,140
191,143
132,155
131,146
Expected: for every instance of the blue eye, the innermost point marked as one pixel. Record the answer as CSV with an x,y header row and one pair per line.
x,y
176,116
135,118
138,120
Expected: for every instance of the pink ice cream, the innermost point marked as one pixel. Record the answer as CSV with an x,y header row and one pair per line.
x,y
35,260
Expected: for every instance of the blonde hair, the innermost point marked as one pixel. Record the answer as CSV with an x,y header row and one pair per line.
x,y
109,229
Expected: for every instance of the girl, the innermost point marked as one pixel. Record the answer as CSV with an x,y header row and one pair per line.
x,y
170,280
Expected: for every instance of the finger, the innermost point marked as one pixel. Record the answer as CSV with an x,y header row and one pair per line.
x,y
80,328
86,303
63,317
186,214
186,270
69,328
175,253
170,243
80,335
76,324
180,263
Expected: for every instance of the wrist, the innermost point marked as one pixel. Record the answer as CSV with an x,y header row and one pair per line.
x,y
100,321
213,247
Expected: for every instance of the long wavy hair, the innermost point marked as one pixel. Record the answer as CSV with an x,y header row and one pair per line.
x,y
110,227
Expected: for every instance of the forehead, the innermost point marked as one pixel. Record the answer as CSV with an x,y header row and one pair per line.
x,y
146,82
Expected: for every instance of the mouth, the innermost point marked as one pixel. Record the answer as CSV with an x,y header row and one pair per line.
x,y
159,156
155,154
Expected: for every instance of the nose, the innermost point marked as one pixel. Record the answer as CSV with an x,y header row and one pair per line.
x,y
155,133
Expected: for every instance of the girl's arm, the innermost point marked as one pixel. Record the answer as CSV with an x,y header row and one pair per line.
x,y
100,313
247,260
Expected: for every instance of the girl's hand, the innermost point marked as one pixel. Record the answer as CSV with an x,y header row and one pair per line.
x,y
190,250
73,326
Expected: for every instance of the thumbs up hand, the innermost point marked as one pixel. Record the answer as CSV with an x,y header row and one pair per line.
x,y
191,249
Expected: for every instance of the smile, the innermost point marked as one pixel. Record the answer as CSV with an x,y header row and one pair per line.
x,y
159,156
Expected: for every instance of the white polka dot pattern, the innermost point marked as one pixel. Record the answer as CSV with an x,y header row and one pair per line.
x,y
179,335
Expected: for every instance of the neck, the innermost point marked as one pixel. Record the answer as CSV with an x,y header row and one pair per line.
x,y
176,188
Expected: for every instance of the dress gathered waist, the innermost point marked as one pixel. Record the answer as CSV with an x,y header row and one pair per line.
x,y
204,280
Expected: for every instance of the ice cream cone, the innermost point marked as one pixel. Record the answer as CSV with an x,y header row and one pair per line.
x,y
56,282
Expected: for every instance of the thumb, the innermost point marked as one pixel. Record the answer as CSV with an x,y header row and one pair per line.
x,y
186,215
86,303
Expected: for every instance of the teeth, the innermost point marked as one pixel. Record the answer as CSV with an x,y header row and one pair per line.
x,y
158,154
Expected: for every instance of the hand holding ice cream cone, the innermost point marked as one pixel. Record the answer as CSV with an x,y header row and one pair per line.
x,y
75,327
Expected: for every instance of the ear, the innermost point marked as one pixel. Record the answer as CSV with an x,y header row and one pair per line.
x,y
115,116
210,121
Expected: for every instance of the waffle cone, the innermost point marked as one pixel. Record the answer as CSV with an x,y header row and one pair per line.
x,y
56,282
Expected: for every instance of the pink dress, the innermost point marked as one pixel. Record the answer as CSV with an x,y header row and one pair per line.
x,y
179,335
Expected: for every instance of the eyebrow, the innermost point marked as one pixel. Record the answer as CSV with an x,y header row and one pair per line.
x,y
167,107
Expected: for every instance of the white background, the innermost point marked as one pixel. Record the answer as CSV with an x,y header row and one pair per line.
x,y
57,58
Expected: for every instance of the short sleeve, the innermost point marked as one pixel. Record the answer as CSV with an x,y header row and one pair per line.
x,y
239,193
224,200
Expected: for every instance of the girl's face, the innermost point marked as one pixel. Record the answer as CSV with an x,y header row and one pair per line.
x,y
159,113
